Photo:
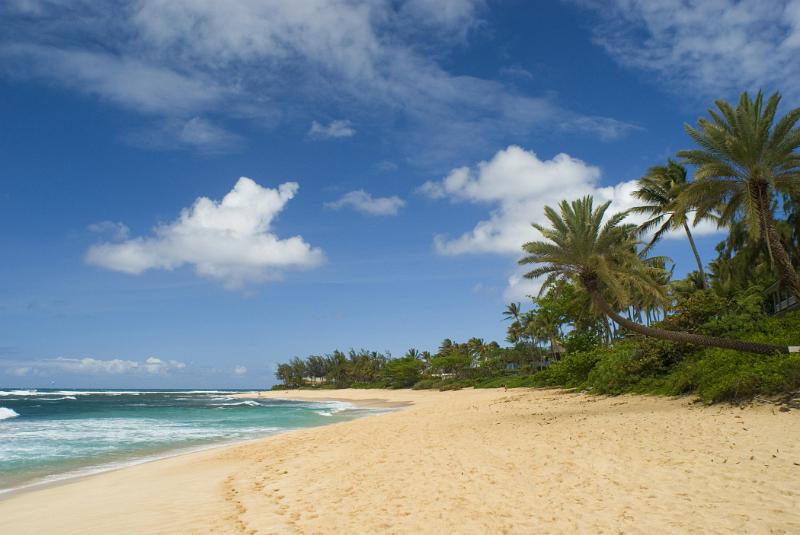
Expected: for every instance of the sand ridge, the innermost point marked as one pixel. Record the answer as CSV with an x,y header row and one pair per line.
x,y
470,461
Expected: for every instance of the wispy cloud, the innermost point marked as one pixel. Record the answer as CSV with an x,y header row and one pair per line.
x,y
715,48
361,201
195,133
91,366
113,229
276,62
334,129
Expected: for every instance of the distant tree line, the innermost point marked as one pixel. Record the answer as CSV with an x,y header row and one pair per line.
x,y
363,368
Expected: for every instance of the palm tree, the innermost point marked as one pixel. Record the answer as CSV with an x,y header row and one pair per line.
x,y
412,353
545,324
602,257
742,161
515,332
660,189
512,312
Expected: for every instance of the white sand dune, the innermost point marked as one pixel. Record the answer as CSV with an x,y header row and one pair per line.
x,y
472,461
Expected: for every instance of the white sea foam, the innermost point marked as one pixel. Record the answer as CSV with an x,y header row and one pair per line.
x,y
248,403
25,393
132,461
5,413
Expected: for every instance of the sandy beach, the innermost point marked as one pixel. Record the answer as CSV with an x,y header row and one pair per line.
x,y
470,461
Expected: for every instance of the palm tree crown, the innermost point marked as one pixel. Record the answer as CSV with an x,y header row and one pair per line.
x,y
660,190
599,255
743,158
603,258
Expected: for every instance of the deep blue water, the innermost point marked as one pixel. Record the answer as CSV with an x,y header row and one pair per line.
x,y
47,435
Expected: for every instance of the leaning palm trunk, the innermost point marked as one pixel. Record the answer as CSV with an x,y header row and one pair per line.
x,y
776,249
696,254
682,337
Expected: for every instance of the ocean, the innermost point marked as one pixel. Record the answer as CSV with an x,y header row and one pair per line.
x,y
50,435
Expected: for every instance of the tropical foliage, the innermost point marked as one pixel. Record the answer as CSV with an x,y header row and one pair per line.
x,y
611,317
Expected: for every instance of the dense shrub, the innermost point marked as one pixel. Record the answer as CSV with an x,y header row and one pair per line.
x,y
624,365
571,371
577,341
647,365
724,375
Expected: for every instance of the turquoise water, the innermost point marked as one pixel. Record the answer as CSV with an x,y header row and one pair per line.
x,y
47,435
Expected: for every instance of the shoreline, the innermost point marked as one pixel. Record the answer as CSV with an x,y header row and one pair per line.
x,y
473,461
56,480
322,396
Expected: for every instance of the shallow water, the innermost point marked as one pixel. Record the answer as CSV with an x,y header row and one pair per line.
x,y
46,435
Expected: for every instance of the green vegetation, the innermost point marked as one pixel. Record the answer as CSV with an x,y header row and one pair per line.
x,y
610,318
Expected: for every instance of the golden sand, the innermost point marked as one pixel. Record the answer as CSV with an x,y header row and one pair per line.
x,y
471,461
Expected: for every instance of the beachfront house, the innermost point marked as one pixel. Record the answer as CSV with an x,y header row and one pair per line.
x,y
780,299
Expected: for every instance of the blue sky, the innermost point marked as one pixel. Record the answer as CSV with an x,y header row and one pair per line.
x,y
396,152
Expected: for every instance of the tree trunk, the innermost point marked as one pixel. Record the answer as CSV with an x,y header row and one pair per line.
x,y
777,250
696,254
682,337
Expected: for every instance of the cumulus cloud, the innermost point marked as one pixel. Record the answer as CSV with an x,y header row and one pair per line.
x,y
361,201
515,186
230,241
716,48
239,370
334,129
92,366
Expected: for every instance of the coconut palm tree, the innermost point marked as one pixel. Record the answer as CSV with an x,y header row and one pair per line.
x,y
659,190
512,312
603,258
545,324
742,161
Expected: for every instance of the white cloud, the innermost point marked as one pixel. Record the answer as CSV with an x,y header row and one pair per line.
x,y
92,366
605,128
386,166
230,241
279,62
519,288
718,47
195,133
19,371
115,230
454,17
363,202
334,129
515,186
122,80
239,370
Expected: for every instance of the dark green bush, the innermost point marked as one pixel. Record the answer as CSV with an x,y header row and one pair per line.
x,y
571,371
624,365
723,375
